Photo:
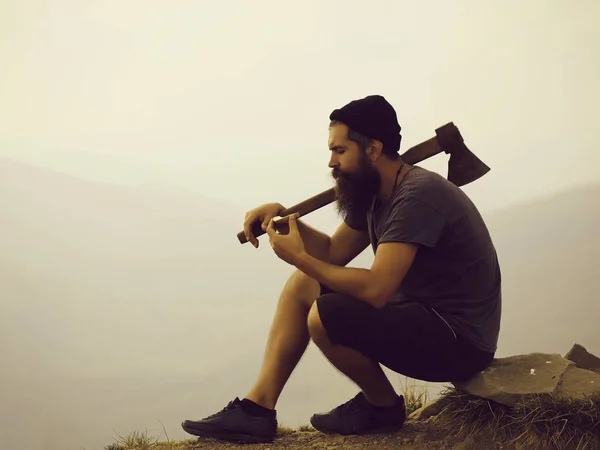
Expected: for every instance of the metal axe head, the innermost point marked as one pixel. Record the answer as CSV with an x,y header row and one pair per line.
x,y
463,166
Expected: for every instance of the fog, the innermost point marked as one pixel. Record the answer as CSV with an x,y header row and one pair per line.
x,y
135,135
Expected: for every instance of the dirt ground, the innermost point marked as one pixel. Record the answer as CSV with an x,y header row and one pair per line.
x,y
412,437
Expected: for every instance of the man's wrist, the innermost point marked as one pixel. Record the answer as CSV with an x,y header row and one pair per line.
x,y
304,262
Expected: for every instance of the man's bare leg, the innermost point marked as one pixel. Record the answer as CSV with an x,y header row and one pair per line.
x,y
367,374
287,340
254,419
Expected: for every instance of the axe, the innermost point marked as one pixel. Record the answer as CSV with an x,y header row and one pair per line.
x,y
463,168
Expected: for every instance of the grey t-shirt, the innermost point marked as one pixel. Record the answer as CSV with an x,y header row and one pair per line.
x,y
456,270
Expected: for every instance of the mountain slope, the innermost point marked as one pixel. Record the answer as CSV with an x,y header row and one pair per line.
x,y
113,295
119,262
549,252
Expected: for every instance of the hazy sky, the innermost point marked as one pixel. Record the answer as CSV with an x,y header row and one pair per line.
x,y
232,98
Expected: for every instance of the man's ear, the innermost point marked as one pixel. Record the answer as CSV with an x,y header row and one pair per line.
x,y
374,150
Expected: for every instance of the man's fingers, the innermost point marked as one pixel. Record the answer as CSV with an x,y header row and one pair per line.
x,y
248,231
271,228
292,223
265,222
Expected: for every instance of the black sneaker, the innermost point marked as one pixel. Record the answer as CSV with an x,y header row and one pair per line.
x,y
234,424
358,416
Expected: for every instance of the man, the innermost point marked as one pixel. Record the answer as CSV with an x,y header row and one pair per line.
x,y
428,308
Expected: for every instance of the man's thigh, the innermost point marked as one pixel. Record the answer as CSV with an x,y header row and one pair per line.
x,y
408,338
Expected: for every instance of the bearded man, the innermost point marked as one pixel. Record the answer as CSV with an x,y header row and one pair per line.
x,y
428,308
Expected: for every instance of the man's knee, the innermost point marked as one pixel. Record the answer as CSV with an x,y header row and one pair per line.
x,y
334,318
300,287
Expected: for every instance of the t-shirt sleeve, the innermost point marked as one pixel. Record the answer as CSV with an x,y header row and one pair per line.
x,y
357,221
413,221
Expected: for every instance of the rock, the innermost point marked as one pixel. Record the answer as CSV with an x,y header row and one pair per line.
x,y
508,379
430,409
582,358
578,383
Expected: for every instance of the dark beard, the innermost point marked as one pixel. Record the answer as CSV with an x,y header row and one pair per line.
x,y
355,191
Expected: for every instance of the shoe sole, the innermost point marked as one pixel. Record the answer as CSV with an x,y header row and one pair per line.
x,y
380,430
228,436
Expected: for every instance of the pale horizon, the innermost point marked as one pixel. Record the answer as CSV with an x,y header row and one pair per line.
x,y
235,95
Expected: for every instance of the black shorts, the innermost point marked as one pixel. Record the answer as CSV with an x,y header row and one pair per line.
x,y
408,338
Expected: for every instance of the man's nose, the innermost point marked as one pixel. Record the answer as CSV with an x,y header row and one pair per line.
x,y
333,162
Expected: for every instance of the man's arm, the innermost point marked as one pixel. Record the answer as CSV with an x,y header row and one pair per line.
x,y
316,242
342,247
346,244
374,286
411,224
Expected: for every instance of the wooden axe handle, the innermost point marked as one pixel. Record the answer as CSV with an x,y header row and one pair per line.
x,y
413,155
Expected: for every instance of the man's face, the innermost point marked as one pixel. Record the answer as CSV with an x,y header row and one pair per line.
x,y
357,181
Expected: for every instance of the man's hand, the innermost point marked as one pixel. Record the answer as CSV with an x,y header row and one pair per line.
x,y
262,214
288,247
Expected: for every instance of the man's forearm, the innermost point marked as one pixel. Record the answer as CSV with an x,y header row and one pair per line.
x,y
351,281
316,242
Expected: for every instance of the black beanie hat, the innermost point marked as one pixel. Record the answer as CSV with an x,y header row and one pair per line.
x,y
374,117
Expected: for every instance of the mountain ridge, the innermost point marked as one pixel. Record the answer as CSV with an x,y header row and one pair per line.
x,y
129,284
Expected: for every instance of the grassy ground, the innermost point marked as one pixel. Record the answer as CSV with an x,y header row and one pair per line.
x,y
467,423
415,396
537,421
